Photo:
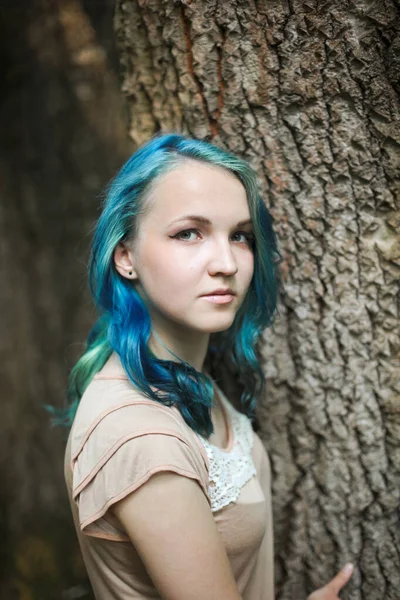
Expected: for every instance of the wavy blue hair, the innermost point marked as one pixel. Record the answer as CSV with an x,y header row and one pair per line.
x,y
124,323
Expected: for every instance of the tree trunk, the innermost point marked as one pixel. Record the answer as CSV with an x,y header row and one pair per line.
x,y
308,91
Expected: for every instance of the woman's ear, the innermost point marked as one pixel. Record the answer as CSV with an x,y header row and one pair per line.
x,y
123,260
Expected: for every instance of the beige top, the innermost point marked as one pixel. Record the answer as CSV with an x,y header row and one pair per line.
x,y
118,440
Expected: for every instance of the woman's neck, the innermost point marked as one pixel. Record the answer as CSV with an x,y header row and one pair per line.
x,y
192,351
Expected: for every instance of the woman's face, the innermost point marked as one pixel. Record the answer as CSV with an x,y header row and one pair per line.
x,y
194,238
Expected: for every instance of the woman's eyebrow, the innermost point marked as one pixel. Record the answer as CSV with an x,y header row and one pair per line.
x,y
206,221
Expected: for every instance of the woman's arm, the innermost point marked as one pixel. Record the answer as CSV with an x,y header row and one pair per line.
x,y
170,523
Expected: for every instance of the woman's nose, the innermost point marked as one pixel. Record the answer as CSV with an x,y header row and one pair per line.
x,y
222,259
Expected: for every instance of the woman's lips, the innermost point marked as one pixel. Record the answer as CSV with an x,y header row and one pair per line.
x,y
219,298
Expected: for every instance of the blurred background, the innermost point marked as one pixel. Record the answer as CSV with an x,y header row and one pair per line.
x,y
63,136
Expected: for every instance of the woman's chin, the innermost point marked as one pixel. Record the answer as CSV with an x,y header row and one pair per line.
x,y
218,326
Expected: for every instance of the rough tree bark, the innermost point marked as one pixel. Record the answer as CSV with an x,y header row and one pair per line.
x,y
308,91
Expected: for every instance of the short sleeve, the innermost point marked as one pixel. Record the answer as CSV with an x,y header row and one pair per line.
x,y
121,453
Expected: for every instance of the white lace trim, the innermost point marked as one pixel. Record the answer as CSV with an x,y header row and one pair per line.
x,y
230,470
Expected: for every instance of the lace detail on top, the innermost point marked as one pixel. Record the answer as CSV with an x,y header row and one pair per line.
x,y
230,470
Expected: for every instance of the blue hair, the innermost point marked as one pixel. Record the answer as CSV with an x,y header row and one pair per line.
x,y
124,324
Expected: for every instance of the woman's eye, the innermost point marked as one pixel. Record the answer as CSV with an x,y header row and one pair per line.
x,y
185,235
248,237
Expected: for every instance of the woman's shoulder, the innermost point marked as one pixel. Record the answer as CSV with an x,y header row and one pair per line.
x,y
119,439
113,409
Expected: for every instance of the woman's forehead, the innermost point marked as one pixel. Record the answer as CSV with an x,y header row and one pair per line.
x,y
195,188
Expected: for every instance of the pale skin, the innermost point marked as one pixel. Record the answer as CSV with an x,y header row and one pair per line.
x,y
173,262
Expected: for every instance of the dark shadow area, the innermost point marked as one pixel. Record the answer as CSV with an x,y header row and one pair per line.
x,y
64,135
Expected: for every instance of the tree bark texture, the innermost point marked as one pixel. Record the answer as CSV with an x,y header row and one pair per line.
x,y
63,135
308,91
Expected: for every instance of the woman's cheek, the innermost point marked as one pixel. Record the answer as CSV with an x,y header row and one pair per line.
x,y
248,268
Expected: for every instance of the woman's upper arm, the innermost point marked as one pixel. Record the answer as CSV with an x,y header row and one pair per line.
x,y
170,523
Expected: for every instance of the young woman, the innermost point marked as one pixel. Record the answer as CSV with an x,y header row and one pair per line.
x,y
169,484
